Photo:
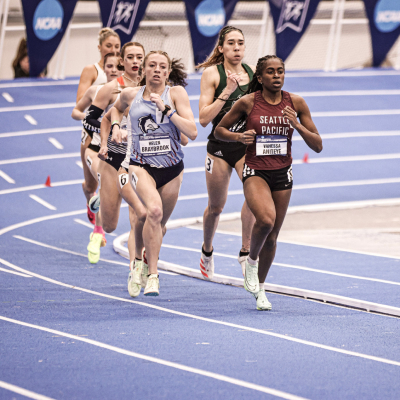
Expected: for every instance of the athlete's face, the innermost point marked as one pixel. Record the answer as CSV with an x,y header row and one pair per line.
x,y
133,57
233,47
273,75
111,68
156,68
111,45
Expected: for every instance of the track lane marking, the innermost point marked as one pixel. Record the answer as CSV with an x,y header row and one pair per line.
x,y
23,392
56,143
213,321
169,246
15,273
42,202
30,119
8,97
208,374
6,177
39,158
40,131
48,246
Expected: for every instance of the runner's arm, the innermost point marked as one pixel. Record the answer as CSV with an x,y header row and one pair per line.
x,y
87,78
78,113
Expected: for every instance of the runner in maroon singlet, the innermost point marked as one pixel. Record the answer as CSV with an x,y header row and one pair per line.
x,y
271,116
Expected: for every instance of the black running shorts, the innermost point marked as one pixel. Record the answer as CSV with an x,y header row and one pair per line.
x,y
278,179
230,152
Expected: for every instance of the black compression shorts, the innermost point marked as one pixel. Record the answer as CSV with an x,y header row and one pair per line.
x,y
278,179
230,152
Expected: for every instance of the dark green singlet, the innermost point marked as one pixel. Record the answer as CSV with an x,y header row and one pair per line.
x,y
232,98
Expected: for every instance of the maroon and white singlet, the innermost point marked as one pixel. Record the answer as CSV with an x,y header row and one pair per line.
x,y
272,148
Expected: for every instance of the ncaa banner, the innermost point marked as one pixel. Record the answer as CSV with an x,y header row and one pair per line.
x,y
384,25
46,22
206,18
291,19
123,16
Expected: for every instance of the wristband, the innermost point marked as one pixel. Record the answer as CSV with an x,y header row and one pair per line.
x,y
115,122
170,115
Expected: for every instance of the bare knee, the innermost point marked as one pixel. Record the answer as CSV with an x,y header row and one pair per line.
x,y
265,222
109,226
214,210
154,214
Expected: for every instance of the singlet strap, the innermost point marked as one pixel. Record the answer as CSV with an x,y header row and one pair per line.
x,y
120,80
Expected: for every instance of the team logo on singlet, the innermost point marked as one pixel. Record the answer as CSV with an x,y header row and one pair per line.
x,y
293,15
123,15
147,124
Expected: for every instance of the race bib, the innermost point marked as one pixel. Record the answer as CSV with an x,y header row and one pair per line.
x,y
271,145
154,145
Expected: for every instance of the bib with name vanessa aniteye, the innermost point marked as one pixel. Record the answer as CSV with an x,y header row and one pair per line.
x,y
271,145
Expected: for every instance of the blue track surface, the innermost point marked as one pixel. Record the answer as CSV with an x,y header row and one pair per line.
x,y
302,348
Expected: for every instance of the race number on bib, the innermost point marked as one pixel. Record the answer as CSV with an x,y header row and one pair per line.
x,y
271,145
155,145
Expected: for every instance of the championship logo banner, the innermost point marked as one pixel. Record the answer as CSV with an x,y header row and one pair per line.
x,y
291,19
206,18
46,22
384,25
123,16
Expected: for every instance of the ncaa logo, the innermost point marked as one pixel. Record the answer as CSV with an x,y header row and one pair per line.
x,y
387,15
210,17
48,19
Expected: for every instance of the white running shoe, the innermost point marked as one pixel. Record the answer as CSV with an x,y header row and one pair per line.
x,y
242,262
262,302
207,266
134,285
153,286
94,204
251,283
145,270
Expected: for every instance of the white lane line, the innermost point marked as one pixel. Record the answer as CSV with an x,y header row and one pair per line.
x,y
30,119
38,107
340,74
195,144
56,143
370,157
355,113
181,367
214,321
41,131
41,186
331,93
321,271
15,273
195,169
89,225
23,392
79,164
8,97
348,135
42,202
76,253
36,84
39,158
6,177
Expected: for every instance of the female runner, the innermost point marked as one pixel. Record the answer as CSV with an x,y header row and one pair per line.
x,y
219,90
93,75
111,62
271,115
113,172
158,115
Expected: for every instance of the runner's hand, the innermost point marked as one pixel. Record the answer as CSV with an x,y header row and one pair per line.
x,y
156,99
103,153
232,81
116,135
247,137
124,135
291,115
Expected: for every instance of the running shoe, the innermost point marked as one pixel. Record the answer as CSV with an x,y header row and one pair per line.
x,y
145,270
134,286
93,248
206,266
153,286
242,262
262,302
251,283
90,215
94,204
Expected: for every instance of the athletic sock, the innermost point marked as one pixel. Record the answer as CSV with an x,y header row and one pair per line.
x,y
98,229
207,253
262,286
138,259
251,261
243,253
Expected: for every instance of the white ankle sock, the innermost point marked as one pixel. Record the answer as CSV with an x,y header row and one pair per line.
x,y
262,286
251,261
